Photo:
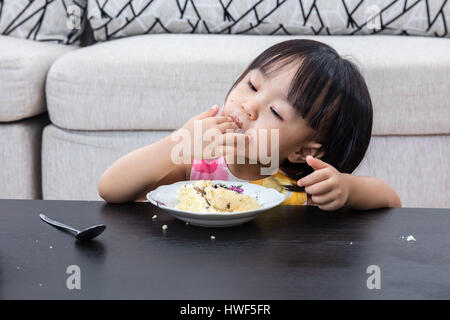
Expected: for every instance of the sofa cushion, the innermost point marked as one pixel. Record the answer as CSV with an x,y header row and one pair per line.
x,y
415,166
23,70
73,161
121,18
89,154
43,20
20,158
158,82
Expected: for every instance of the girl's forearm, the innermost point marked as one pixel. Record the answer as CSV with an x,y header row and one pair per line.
x,y
135,172
370,193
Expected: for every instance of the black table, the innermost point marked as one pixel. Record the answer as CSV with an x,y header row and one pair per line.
x,y
286,253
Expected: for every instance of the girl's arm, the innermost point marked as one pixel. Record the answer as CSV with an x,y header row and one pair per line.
x,y
139,171
369,193
177,174
331,190
144,169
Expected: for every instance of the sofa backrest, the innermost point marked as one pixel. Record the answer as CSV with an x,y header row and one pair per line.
x,y
121,18
43,20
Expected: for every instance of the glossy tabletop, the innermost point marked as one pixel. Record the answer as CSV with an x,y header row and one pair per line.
x,y
285,253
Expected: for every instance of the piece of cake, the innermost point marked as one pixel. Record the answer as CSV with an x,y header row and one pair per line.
x,y
204,196
190,199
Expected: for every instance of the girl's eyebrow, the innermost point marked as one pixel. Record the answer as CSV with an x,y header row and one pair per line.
x,y
264,74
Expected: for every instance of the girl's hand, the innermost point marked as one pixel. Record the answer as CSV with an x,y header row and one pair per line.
x,y
329,189
208,136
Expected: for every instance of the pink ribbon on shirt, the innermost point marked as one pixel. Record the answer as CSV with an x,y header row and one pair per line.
x,y
204,166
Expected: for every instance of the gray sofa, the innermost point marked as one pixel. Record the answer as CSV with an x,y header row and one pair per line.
x,y
107,98
23,70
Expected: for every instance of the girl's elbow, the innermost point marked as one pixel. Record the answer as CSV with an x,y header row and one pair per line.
x,y
111,196
108,197
395,202
104,192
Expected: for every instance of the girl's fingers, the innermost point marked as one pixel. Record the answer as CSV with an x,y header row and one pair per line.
x,y
233,143
222,119
333,205
309,201
313,178
227,125
208,113
319,188
232,139
316,163
323,199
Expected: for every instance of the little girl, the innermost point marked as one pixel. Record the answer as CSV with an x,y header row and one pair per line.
x,y
318,104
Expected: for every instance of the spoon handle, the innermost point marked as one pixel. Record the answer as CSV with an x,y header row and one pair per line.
x,y
57,224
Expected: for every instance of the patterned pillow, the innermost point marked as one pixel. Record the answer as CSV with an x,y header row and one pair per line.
x,y
60,21
120,18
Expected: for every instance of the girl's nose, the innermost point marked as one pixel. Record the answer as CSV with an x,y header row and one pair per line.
x,y
250,110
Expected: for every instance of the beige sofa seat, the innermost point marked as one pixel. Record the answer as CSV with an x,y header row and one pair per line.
x,y
159,81
20,158
23,70
73,161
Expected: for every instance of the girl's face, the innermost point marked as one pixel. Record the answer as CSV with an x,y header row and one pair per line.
x,y
260,102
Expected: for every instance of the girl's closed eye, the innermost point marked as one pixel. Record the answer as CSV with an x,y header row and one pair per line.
x,y
276,113
251,86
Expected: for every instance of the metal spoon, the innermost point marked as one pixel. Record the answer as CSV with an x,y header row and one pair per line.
x,y
86,234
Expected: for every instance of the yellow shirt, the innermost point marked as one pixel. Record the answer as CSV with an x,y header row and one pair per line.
x,y
276,182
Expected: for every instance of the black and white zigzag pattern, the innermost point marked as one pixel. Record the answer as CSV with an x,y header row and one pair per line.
x,y
43,20
119,18
46,20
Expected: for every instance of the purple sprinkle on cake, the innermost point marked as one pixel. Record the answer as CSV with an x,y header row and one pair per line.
x,y
237,189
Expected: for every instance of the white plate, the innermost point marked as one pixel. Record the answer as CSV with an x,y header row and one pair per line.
x,y
165,197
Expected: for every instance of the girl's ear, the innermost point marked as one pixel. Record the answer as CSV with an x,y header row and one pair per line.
x,y
311,149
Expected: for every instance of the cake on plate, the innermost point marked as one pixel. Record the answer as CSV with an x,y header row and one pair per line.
x,y
206,196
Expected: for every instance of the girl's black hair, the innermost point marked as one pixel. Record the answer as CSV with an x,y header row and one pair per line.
x,y
329,92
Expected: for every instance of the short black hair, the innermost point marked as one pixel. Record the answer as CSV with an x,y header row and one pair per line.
x,y
330,93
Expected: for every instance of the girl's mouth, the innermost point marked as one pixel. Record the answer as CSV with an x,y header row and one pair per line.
x,y
236,121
